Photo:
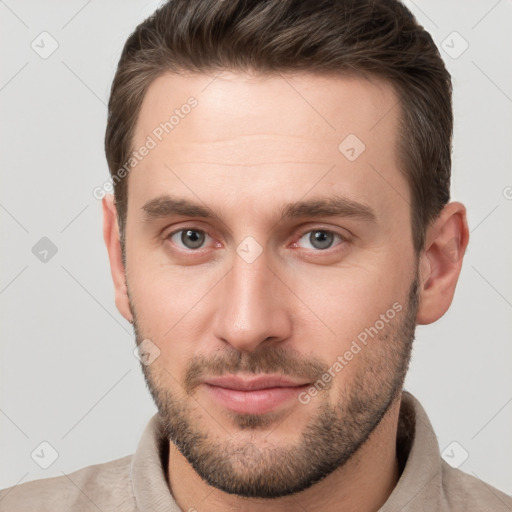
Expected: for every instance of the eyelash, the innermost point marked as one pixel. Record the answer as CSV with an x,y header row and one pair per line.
x,y
343,238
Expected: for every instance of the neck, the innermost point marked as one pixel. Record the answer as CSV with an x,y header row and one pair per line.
x,y
363,484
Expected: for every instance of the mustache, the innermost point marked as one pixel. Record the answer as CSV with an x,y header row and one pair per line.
x,y
275,360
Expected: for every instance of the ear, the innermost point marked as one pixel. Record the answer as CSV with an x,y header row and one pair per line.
x,y
440,262
113,243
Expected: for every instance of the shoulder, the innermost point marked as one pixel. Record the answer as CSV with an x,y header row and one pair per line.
x,y
465,492
104,486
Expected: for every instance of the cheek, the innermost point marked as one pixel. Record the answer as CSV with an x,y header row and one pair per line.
x,y
162,292
349,299
169,304
364,310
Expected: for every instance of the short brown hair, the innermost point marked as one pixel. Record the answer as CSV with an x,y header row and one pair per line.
x,y
378,38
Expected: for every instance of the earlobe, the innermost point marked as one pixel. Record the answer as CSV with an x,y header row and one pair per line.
x,y
113,244
441,262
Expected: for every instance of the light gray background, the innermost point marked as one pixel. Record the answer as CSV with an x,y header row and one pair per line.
x,y
68,373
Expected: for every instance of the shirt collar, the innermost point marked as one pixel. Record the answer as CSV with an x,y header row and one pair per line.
x,y
422,472
149,471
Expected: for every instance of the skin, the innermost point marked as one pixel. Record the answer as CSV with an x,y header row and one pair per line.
x,y
250,146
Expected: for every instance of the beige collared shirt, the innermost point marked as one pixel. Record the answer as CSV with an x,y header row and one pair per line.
x,y
138,483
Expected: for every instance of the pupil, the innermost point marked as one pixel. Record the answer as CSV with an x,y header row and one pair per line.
x,y
321,239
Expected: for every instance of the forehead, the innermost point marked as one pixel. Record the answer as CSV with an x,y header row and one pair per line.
x,y
251,135
311,106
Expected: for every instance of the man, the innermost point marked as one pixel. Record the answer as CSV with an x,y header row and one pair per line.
x,y
281,223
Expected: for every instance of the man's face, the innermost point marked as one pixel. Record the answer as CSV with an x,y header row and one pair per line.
x,y
284,328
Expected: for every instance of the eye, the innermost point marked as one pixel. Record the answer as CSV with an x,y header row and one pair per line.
x,y
188,238
320,239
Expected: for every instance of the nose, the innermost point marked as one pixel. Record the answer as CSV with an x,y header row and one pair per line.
x,y
253,306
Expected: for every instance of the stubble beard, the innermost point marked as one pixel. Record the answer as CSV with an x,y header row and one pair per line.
x,y
331,437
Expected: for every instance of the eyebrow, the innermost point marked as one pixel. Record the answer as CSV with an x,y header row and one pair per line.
x,y
166,206
331,206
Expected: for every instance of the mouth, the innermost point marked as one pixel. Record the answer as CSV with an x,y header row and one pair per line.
x,y
254,395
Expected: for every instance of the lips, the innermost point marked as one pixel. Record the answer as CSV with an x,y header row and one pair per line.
x,y
254,383
253,395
